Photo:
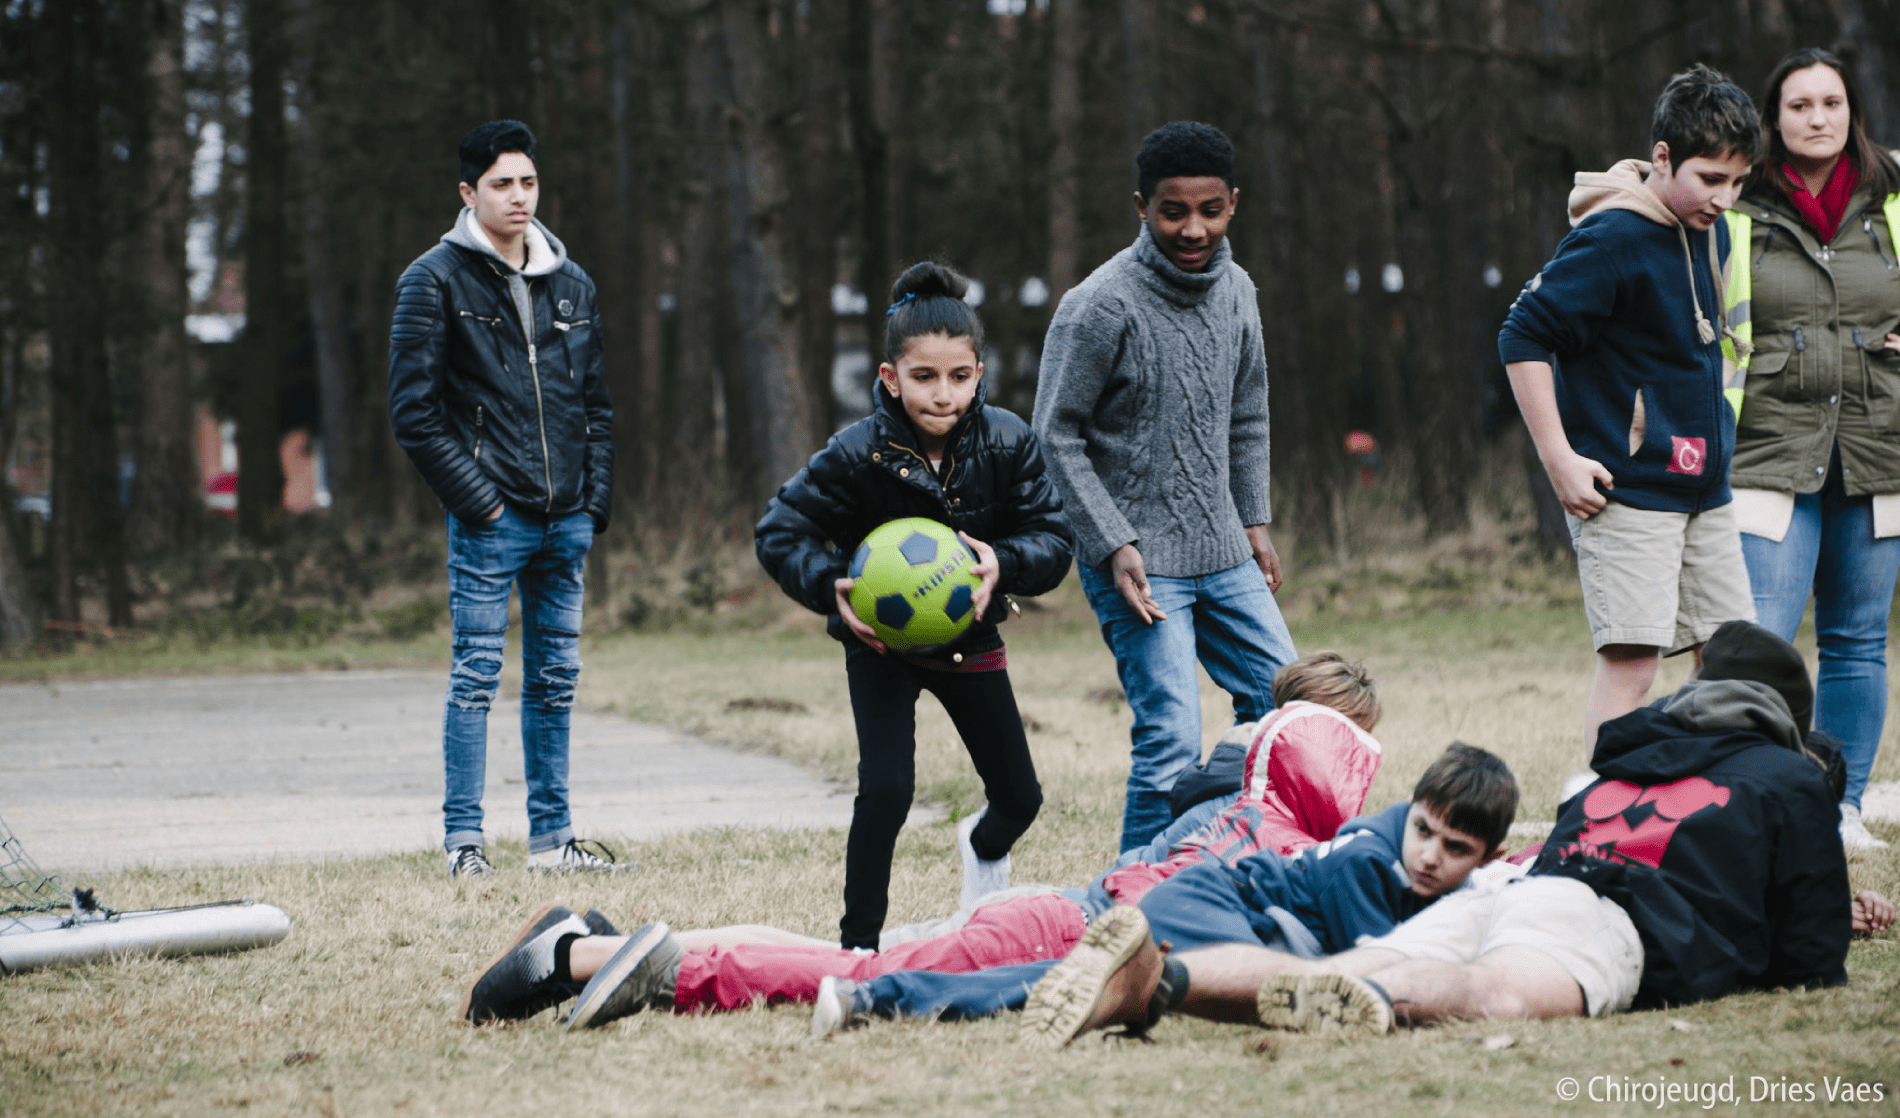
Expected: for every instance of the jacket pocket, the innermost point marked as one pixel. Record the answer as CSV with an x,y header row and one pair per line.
x,y
1639,423
1765,397
576,338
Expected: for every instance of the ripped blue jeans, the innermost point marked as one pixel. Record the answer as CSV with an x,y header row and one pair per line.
x,y
485,561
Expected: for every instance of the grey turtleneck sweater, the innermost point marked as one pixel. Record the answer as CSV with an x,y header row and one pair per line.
x,y
1152,407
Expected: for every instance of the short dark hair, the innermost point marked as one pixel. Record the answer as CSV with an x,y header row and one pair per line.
x,y
928,299
1702,113
486,143
1473,790
1183,149
1876,169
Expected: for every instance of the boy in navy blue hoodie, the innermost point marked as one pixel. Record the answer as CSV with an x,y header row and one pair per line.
x,y
1614,354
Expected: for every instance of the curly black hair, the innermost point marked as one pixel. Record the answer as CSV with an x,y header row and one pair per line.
x,y
1183,149
486,143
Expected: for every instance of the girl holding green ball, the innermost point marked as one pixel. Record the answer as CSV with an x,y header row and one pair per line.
x,y
930,448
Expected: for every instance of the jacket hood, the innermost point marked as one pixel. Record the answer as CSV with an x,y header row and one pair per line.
x,y
1745,650
1622,187
546,253
1312,766
1703,724
1389,827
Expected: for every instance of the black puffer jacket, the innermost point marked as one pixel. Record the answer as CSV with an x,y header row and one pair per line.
x,y
993,486
490,412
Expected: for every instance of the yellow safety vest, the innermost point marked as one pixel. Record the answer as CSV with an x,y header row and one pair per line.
x,y
1740,324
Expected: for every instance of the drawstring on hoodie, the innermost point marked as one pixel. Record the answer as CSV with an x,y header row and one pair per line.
x,y
1703,329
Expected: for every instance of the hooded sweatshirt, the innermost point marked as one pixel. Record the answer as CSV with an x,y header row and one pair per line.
x,y
1305,774
1627,314
1718,837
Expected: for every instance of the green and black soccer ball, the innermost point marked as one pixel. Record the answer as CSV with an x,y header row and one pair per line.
x,y
912,583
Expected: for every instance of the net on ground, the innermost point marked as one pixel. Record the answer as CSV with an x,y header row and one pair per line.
x,y
25,890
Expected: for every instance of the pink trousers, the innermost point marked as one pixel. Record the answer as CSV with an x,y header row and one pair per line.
x,y
1020,930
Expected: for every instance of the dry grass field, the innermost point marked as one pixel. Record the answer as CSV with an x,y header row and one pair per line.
x,y
352,1014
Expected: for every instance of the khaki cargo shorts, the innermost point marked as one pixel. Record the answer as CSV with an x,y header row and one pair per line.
x,y
1500,906
1664,579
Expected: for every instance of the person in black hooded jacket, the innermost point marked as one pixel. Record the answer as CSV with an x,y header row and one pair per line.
x,y
930,448
1713,825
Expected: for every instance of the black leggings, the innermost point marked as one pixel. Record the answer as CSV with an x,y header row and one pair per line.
x,y
884,693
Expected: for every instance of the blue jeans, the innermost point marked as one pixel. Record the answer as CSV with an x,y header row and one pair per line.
x,y
1830,551
1229,622
485,561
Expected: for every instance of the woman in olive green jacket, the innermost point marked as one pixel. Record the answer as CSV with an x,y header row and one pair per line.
x,y
1817,449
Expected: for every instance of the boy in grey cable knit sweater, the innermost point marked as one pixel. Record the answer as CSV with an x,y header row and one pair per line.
x,y
1152,407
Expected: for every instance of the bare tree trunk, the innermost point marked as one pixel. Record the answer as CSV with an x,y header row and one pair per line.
x,y
336,394
19,620
871,144
165,498
88,527
1069,30
820,58
260,471
1137,27
764,279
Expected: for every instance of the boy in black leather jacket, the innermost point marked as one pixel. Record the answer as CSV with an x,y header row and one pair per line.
x,y
495,392
931,448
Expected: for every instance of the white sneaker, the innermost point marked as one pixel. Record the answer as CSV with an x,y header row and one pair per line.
x,y
1854,834
835,1008
572,857
981,877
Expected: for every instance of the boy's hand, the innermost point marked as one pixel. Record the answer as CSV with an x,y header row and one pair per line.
x,y
1131,578
1574,477
986,570
1263,554
1872,913
858,628
1893,342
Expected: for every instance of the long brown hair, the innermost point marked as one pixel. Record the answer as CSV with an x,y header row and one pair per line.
x,y
1875,166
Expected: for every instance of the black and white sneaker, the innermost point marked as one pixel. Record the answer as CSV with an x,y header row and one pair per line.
x,y
469,861
572,857
520,982
643,974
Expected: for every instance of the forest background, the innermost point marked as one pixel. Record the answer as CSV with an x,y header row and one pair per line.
x,y
743,179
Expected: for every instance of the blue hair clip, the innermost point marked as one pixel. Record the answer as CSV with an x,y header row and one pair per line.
x,y
892,309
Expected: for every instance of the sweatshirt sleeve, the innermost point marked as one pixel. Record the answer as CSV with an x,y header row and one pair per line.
x,y
1359,893
1078,356
1808,904
1562,307
1249,440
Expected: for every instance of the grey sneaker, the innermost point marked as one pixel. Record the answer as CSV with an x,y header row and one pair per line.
x,y
572,857
836,1007
1329,1003
469,861
1854,833
520,981
642,975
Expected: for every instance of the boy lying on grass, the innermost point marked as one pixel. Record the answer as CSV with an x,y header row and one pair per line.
x,y
1704,860
1305,771
1379,870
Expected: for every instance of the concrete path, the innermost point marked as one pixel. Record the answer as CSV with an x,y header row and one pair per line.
x,y
217,770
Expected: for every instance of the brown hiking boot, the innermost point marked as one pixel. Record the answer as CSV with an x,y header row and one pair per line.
x,y
1108,978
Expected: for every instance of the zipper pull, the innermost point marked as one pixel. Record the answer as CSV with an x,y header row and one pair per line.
x,y
1800,340
1857,343
530,353
478,415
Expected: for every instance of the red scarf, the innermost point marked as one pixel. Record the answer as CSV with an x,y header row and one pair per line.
x,y
1824,214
